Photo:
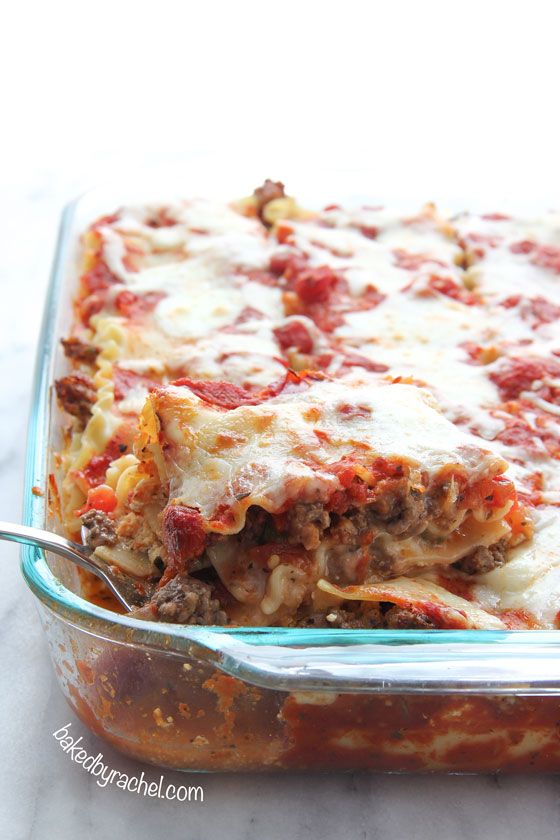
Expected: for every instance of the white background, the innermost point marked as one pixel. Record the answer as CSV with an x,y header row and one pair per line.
x,y
457,102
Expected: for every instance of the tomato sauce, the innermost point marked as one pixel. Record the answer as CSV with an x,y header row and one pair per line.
x,y
184,538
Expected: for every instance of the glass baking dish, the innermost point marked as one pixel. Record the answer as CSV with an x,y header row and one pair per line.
x,y
199,698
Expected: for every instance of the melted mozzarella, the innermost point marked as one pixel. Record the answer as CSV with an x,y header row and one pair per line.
x,y
420,337
530,581
270,453
498,271
247,357
371,262
208,307
498,278
200,327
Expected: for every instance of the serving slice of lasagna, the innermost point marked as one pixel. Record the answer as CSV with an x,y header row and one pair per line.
x,y
271,494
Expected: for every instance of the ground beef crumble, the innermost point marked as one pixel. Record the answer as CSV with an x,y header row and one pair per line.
x,y
351,528
401,512
268,192
363,616
306,523
100,529
257,524
79,351
187,600
483,559
352,617
402,618
76,394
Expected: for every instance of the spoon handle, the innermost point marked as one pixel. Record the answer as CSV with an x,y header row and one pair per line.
x,y
45,539
79,554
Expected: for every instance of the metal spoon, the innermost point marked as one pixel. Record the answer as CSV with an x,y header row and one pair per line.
x,y
131,592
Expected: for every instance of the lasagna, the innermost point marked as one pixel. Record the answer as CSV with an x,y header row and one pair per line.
x,y
336,418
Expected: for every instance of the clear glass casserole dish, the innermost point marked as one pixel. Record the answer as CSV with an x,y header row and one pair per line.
x,y
276,698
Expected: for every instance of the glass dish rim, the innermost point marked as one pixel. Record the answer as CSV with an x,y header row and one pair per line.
x,y
177,638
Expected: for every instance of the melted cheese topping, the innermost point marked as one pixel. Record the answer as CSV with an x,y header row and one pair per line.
x,y
198,266
282,449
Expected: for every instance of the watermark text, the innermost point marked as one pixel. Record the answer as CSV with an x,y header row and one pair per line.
x,y
106,775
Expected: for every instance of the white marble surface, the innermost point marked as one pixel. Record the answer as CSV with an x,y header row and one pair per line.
x,y
464,128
